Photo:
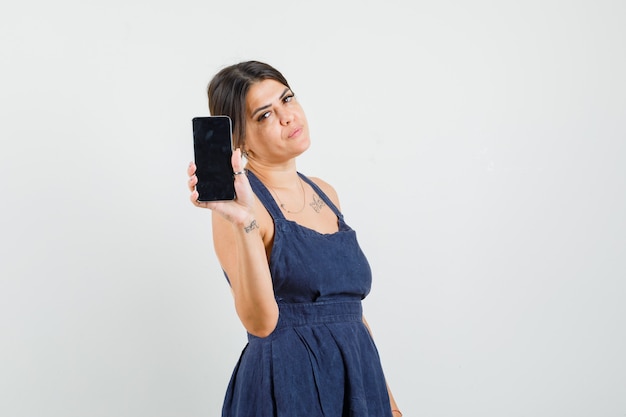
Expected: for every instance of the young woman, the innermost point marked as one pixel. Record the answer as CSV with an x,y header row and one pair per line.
x,y
295,268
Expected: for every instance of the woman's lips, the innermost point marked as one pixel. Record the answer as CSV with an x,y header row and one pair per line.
x,y
295,133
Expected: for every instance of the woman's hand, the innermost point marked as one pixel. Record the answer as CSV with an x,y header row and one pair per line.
x,y
237,211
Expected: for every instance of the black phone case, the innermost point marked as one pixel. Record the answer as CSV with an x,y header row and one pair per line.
x,y
213,149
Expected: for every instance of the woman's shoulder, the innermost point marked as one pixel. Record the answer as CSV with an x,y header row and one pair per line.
x,y
328,189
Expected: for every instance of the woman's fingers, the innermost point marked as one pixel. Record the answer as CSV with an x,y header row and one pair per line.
x,y
191,169
191,183
193,180
203,204
236,161
194,197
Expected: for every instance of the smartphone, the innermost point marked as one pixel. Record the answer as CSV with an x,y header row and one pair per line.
x,y
213,148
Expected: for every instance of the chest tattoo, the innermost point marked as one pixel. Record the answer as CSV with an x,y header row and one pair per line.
x,y
317,203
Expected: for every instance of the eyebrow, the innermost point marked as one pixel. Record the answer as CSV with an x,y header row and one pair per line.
x,y
284,93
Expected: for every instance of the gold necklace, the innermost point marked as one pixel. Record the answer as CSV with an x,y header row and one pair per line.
x,y
282,206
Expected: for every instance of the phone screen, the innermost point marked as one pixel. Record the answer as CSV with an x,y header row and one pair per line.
x,y
212,143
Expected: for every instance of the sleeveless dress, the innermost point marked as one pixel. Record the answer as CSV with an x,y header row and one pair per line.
x,y
320,361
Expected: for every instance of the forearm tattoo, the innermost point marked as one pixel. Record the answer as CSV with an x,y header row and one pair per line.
x,y
253,225
317,203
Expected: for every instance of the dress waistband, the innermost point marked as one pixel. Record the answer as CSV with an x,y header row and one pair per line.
x,y
298,314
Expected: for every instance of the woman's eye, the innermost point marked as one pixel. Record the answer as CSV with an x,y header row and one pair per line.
x,y
264,116
288,98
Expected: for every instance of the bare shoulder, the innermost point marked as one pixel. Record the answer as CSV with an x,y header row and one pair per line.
x,y
328,189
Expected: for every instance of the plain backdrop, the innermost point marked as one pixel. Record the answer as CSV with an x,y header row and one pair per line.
x,y
478,148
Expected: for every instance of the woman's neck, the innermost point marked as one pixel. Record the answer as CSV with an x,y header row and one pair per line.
x,y
275,176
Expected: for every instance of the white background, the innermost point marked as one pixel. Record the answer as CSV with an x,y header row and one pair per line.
x,y
478,148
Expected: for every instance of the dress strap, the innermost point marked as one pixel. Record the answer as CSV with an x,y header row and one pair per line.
x,y
323,196
265,196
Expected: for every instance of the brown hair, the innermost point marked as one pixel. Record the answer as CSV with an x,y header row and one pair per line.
x,y
228,89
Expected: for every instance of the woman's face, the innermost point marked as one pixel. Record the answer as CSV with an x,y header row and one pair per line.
x,y
276,127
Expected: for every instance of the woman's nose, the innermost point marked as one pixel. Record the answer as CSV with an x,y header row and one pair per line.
x,y
286,117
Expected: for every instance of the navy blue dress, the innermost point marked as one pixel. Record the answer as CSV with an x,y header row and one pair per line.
x,y
320,361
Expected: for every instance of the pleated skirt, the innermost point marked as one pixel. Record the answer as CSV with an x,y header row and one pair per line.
x,y
320,361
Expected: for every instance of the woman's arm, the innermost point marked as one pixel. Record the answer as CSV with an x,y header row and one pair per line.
x,y
238,231
241,252
394,407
